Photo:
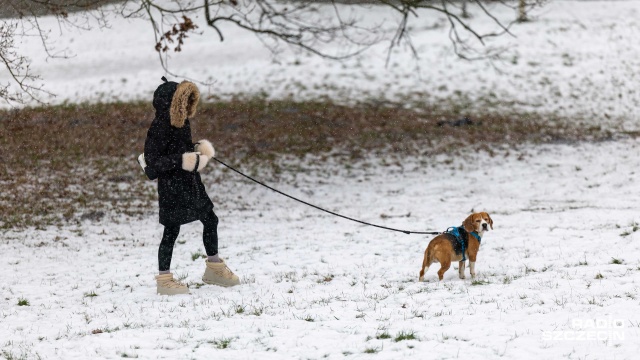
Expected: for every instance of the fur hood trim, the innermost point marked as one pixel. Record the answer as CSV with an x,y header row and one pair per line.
x,y
184,103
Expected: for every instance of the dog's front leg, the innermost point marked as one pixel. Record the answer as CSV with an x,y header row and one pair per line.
x,y
472,265
461,265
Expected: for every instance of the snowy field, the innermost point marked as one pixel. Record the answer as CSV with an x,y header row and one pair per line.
x,y
559,277
574,58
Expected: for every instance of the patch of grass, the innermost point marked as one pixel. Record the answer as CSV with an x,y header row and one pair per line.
x,y
197,255
442,313
81,158
10,356
257,311
23,302
593,301
616,261
371,350
479,282
181,276
221,343
599,276
382,336
105,330
634,227
90,294
196,285
401,336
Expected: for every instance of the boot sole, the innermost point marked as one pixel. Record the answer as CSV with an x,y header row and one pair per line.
x,y
219,284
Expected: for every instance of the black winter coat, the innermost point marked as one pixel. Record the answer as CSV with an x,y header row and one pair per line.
x,y
181,194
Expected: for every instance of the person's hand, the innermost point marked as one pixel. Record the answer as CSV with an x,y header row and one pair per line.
x,y
205,148
190,159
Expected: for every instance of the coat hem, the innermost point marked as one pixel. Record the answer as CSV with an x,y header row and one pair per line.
x,y
185,217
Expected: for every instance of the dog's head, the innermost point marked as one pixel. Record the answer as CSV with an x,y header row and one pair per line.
x,y
478,222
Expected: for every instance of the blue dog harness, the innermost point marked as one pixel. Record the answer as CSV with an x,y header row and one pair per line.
x,y
459,235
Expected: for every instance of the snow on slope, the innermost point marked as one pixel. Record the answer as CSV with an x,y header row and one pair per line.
x,y
575,58
562,262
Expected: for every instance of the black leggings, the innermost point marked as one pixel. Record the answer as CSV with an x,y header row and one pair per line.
x,y
209,237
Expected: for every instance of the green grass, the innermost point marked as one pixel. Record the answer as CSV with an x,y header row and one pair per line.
x,y
402,336
23,302
257,311
480,282
221,343
10,356
90,294
634,227
197,255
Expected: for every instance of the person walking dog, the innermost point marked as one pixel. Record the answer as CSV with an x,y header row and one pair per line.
x,y
172,158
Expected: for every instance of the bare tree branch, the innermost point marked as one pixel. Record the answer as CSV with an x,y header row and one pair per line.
x,y
297,24
21,18
19,68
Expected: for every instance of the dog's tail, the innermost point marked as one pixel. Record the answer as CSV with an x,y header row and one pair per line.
x,y
428,259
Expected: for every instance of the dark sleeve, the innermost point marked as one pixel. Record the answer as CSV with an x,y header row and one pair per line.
x,y
154,151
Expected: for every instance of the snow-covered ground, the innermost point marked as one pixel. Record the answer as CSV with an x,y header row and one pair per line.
x,y
559,277
574,58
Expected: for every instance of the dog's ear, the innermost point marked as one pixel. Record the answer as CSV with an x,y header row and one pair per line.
x,y
468,224
490,221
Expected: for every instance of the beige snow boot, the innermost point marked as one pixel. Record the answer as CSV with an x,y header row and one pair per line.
x,y
167,285
219,274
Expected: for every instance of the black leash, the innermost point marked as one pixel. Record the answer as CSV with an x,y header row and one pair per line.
x,y
325,210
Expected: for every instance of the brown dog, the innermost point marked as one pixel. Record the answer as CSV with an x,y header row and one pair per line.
x,y
446,247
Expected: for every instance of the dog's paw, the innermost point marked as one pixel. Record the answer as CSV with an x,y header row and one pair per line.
x,y
462,277
421,279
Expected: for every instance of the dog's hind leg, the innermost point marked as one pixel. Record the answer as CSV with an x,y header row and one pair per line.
x,y
461,269
444,266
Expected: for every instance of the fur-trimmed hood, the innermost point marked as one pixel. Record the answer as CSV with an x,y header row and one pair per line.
x,y
177,101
